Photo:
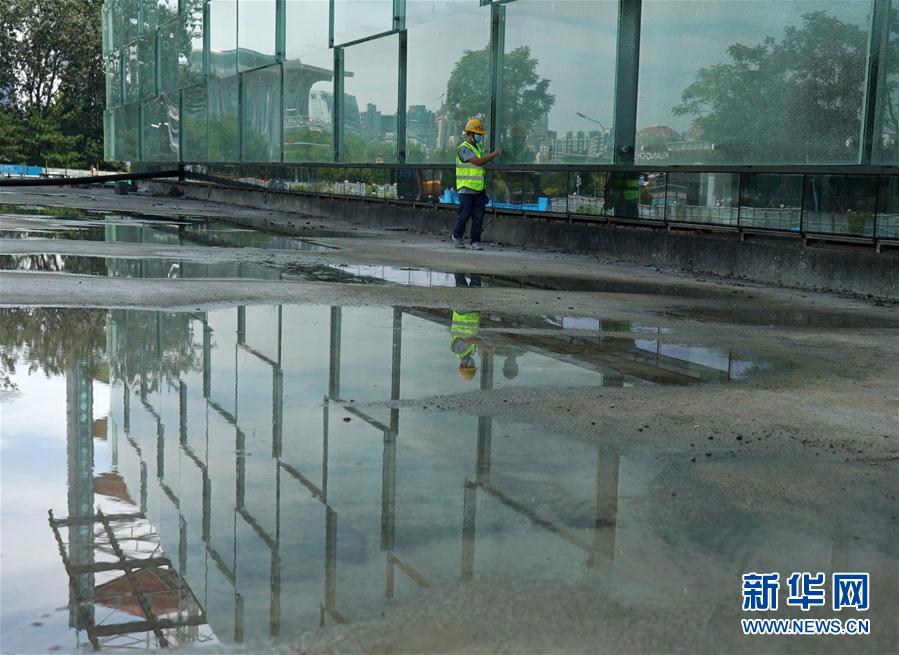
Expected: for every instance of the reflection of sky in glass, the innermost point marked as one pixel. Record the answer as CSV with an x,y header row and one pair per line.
x,y
680,37
574,43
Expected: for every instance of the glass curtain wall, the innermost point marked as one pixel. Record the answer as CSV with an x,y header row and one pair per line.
x,y
308,82
723,82
370,91
752,81
448,76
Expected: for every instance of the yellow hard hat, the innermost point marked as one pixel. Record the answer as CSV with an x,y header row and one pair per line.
x,y
467,372
475,125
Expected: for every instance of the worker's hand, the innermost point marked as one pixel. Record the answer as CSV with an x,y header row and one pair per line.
x,y
497,152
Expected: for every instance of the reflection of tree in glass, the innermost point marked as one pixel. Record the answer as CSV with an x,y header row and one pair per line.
x,y
525,96
152,346
53,339
889,126
797,99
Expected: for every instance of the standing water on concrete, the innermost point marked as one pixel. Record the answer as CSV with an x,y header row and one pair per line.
x,y
265,479
324,477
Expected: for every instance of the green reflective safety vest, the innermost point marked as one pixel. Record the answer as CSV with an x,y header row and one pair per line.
x,y
468,175
628,186
465,324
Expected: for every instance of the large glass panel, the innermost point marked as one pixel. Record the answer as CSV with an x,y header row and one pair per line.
x,y
256,33
224,99
113,80
447,82
888,208
886,136
555,102
356,19
371,81
222,38
160,124
130,73
167,10
146,53
308,82
149,16
306,24
840,204
127,132
423,11
711,198
109,135
190,43
760,81
168,57
261,114
193,108
618,194
131,9
771,201
106,29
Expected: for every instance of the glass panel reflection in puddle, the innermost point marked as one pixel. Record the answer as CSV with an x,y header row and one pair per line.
x,y
283,505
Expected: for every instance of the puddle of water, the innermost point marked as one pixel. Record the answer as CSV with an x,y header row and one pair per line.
x,y
765,316
31,223
271,489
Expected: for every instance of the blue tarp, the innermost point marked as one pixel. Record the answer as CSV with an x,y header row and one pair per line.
x,y
21,170
450,197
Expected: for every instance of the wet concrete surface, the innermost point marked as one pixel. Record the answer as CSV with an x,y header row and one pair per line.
x,y
630,442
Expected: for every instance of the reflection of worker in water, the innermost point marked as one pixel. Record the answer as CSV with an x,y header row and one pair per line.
x,y
511,353
465,342
623,189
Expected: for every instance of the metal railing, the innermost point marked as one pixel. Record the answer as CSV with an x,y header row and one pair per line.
x,y
851,203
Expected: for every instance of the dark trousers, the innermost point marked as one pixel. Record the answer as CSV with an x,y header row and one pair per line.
x,y
471,205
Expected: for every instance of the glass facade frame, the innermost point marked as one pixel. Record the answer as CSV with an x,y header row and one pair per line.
x,y
147,42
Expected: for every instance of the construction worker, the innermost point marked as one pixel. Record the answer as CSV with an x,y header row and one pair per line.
x,y
624,189
470,162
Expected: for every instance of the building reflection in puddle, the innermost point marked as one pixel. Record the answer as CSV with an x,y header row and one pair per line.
x,y
261,445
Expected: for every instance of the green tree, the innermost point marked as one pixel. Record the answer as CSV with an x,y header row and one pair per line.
x,y
51,82
794,100
524,96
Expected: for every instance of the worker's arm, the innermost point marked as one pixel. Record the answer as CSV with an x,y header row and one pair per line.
x,y
486,159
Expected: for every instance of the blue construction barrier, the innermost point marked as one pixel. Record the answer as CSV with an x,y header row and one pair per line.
x,y
21,170
450,197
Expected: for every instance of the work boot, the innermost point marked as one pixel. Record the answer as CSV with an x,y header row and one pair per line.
x,y
457,242
476,245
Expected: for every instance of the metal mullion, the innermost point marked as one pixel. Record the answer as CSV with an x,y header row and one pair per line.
x,y
365,39
337,127
399,14
875,78
280,30
240,112
331,23
281,131
401,95
627,74
497,51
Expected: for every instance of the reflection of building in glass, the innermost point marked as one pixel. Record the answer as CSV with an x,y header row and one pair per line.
x,y
757,103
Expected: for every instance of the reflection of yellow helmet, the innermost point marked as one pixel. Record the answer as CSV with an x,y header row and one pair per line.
x,y
475,125
468,372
